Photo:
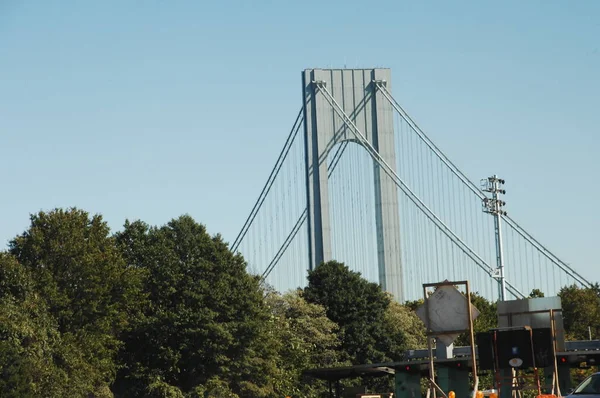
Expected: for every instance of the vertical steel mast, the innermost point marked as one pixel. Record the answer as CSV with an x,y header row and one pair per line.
x,y
495,206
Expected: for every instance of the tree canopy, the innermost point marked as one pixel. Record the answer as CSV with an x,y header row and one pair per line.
x,y
581,311
89,293
206,314
359,308
171,311
28,335
306,338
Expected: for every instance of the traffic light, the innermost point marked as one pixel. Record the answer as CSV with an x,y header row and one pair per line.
x,y
578,360
409,368
461,365
562,360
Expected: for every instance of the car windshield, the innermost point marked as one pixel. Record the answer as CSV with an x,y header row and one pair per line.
x,y
591,385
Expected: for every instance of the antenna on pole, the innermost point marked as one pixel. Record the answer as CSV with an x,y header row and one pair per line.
x,y
494,206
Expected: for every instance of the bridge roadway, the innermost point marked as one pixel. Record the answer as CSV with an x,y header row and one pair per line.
x,y
453,373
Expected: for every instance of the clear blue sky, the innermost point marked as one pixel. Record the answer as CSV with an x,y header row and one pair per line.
x,y
157,108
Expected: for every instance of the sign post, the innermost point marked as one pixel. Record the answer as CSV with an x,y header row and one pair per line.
x,y
447,312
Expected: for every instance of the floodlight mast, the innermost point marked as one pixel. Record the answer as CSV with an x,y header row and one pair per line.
x,y
494,206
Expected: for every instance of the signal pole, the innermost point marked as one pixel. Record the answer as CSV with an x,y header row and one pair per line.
x,y
494,206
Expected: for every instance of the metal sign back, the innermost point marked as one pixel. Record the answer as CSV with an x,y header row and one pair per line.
x,y
448,314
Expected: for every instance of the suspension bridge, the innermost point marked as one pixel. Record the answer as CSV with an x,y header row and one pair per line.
x,y
357,181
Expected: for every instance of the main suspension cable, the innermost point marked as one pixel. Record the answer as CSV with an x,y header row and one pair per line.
x,y
456,171
302,219
267,188
415,199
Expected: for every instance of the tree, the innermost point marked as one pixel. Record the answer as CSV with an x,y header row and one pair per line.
x,y
306,339
404,328
536,293
357,306
206,316
34,358
487,319
25,328
413,304
581,311
89,291
160,389
214,388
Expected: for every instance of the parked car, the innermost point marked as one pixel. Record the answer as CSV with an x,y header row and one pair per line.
x,y
589,387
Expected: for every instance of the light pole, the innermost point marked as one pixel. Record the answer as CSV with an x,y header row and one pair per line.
x,y
494,205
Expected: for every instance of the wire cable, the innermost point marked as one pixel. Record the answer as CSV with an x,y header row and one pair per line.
x,y
564,266
416,200
265,191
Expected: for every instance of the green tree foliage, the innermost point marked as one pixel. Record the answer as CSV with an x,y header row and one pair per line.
x,y
413,304
488,313
214,388
78,270
89,291
581,311
35,360
306,339
206,317
536,293
359,308
487,319
170,312
160,389
27,334
404,327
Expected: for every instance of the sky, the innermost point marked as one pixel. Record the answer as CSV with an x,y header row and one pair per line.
x,y
152,109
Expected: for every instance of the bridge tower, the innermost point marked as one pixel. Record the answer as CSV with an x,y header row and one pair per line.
x,y
355,92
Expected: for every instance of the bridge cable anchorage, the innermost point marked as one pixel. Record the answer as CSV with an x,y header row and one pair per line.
x,y
302,219
267,188
414,198
475,189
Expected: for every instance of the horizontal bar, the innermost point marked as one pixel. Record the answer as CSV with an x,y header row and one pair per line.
x,y
582,345
530,312
572,348
448,283
457,331
463,351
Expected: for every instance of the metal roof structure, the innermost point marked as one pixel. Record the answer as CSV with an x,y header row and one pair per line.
x,y
346,372
417,360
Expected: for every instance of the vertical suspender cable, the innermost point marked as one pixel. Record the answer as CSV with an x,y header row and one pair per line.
x,y
270,181
416,200
558,262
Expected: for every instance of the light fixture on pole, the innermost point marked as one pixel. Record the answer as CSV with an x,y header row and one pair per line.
x,y
493,205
